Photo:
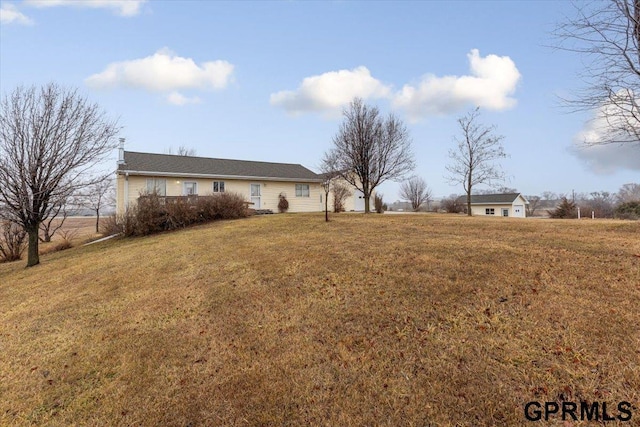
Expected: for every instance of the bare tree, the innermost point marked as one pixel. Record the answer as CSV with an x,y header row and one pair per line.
x,y
500,190
416,191
474,156
340,193
628,193
531,208
49,138
607,35
182,151
452,204
330,172
600,203
370,149
54,220
96,196
12,239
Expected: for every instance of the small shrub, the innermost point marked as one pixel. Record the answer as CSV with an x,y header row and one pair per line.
x,y
628,210
181,214
221,206
283,203
150,215
12,241
378,203
155,213
62,245
128,221
452,204
111,225
67,240
565,210
340,193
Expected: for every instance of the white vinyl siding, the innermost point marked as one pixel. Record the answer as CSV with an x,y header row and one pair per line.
x,y
269,191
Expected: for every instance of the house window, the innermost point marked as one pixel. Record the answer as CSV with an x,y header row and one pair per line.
x,y
489,211
302,190
157,186
218,186
190,188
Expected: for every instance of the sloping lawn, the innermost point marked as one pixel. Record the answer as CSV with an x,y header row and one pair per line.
x,y
286,320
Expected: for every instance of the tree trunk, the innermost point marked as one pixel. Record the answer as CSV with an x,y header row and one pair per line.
x,y
97,220
326,207
33,258
469,185
366,193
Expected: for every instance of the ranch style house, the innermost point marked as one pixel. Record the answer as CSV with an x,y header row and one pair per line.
x,y
259,183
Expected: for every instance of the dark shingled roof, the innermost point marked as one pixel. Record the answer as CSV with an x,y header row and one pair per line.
x,y
484,199
158,164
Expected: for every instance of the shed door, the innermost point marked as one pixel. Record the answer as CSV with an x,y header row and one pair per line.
x,y
255,196
518,211
359,201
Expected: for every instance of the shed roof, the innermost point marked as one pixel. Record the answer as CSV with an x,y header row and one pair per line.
x,y
174,165
487,199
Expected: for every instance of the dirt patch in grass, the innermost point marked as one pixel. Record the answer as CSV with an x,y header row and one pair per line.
x,y
287,320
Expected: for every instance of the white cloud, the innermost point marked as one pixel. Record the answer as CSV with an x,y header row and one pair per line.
x,y
331,91
604,158
121,7
164,72
9,14
177,98
493,79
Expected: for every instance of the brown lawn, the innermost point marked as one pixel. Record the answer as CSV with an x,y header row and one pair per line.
x,y
385,320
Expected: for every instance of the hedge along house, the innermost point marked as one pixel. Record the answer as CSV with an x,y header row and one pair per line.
x,y
260,183
506,204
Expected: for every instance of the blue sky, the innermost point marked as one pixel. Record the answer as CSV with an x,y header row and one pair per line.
x,y
268,80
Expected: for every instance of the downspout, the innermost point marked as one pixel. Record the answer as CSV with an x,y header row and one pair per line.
x,y
126,191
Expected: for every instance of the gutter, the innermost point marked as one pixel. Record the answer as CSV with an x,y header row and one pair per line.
x,y
205,175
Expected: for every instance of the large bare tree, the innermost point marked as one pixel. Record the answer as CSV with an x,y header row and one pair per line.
x,y
96,196
473,159
628,193
49,139
416,191
371,149
607,35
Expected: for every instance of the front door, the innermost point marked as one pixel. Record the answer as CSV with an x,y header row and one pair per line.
x,y
505,212
255,196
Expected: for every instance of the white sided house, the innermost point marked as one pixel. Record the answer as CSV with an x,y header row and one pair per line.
x,y
506,204
259,183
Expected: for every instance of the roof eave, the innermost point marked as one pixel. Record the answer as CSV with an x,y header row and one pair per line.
x,y
217,176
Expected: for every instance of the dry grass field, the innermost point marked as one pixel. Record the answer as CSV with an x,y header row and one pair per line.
x,y
378,320
77,230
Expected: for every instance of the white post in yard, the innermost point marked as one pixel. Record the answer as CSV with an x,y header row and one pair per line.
x,y
578,213
593,215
